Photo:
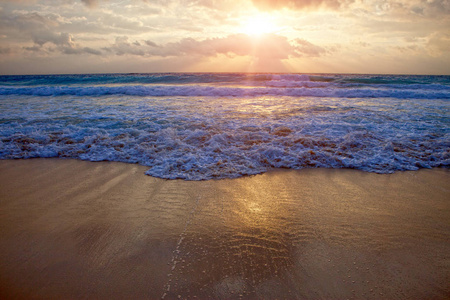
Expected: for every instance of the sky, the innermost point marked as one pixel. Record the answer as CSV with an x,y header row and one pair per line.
x,y
295,36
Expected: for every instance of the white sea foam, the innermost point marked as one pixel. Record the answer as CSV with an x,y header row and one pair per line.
x,y
274,88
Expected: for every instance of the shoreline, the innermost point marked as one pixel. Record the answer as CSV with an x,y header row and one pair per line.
x,y
269,171
78,229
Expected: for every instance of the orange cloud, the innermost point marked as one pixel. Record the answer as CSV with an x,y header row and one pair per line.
x,y
298,4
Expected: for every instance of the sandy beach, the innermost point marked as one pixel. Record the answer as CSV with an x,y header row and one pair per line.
x,y
81,230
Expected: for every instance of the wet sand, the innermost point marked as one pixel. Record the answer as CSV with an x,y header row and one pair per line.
x,y
72,229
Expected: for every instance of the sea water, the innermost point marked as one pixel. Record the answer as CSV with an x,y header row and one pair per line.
x,y
198,126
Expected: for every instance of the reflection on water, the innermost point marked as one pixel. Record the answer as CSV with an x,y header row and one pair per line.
x,y
268,237
238,252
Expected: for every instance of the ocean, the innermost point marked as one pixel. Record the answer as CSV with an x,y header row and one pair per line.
x,y
199,126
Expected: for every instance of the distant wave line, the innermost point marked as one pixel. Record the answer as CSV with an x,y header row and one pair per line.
x,y
213,91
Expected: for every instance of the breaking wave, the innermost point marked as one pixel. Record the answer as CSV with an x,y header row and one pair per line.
x,y
202,128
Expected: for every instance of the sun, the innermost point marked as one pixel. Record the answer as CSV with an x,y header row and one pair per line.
x,y
258,25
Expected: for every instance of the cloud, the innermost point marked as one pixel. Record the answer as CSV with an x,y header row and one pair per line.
x,y
298,4
35,48
25,26
5,50
80,50
122,46
43,31
442,6
60,39
150,43
401,9
90,3
27,21
21,1
438,44
267,46
205,32
309,49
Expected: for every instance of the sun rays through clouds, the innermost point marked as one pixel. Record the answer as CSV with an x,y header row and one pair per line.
x,y
390,36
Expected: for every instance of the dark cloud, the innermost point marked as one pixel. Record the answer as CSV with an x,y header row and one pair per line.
x,y
150,43
34,48
90,3
5,50
438,5
431,8
92,51
80,50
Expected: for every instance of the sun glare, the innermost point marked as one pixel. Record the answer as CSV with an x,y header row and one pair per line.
x,y
257,25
